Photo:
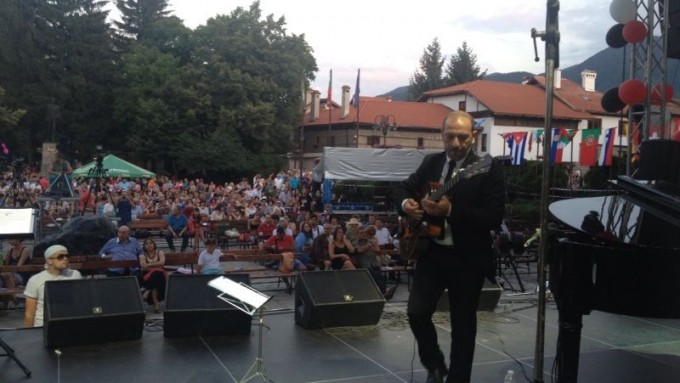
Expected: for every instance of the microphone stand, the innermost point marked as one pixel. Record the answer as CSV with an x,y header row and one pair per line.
x,y
551,36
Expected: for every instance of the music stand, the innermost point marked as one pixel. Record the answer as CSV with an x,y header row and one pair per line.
x,y
248,300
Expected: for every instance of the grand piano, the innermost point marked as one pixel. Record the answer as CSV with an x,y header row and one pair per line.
x,y
618,253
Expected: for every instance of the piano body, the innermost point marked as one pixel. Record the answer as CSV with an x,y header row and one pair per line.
x,y
618,253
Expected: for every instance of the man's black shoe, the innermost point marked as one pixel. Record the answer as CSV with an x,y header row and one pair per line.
x,y
436,376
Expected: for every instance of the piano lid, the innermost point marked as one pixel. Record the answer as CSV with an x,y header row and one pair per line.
x,y
622,219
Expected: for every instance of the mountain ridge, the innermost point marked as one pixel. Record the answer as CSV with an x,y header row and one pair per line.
x,y
609,64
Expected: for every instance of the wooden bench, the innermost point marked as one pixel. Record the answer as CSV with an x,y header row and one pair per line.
x,y
155,226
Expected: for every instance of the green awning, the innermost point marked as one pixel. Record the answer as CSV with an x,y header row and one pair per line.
x,y
113,167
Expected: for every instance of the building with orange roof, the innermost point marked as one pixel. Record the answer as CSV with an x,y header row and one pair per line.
x,y
508,108
499,108
377,123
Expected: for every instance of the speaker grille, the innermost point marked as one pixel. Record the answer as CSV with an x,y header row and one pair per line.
x,y
337,298
191,292
341,286
87,297
89,311
192,308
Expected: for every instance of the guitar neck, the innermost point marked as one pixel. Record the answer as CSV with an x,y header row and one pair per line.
x,y
448,185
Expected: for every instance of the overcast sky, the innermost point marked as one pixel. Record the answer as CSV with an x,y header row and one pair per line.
x,y
387,38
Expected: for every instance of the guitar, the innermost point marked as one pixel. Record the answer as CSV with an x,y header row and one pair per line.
x,y
415,232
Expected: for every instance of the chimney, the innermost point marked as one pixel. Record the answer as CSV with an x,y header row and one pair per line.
x,y
588,80
316,105
308,97
558,78
345,101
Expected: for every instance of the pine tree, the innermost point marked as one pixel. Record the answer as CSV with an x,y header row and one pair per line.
x,y
462,67
429,76
139,18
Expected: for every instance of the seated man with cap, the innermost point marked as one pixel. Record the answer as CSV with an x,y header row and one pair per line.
x,y
56,268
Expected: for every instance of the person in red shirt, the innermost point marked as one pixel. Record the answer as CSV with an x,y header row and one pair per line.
x,y
266,228
44,183
282,242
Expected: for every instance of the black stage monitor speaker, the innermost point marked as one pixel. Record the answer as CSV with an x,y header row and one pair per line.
x,y
491,294
192,308
88,311
337,298
659,161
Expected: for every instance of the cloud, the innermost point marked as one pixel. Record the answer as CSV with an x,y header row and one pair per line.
x,y
386,39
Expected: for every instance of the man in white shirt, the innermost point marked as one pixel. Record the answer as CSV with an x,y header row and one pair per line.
x,y
56,269
382,233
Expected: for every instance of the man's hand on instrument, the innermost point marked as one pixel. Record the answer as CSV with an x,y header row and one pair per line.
x,y
437,209
412,208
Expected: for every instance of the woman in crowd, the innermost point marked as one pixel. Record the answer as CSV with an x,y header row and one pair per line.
x,y
339,250
199,230
17,255
154,275
319,252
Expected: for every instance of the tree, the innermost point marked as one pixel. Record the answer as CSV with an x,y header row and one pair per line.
x,y
139,17
149,102
8,120
429,76
58,50
250,69
462,67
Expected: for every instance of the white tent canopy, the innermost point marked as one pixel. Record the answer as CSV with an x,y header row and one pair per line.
x,y
371,164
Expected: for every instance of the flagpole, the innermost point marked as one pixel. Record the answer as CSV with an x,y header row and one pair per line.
x,y
328,101
551,36
357,103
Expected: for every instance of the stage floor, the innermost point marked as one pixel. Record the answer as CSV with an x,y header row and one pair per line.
x,y
614,348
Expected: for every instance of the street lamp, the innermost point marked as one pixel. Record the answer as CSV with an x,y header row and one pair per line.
x,y
385,123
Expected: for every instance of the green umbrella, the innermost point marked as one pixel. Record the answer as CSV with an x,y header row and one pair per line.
x,y
113,167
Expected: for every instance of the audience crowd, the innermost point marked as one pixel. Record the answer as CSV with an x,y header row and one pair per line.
x,y
281,208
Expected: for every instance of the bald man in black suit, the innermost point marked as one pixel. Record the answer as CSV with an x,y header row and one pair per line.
x,y
461,257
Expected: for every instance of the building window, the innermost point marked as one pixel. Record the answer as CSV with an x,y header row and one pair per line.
x,y
317,141
593,124
461,105
421,142
372,140
484,138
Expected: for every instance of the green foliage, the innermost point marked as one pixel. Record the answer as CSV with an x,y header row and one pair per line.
x,y
222,100
524,185
139,18
58,50
462,67
598,177
8,118
429,76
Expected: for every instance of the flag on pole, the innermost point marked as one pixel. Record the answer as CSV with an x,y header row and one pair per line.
x,y
330,90
355,98
607,148
531,140
589,144
561,138
517,149
539,133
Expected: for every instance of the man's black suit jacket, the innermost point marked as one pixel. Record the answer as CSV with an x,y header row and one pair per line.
x,y
477,203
